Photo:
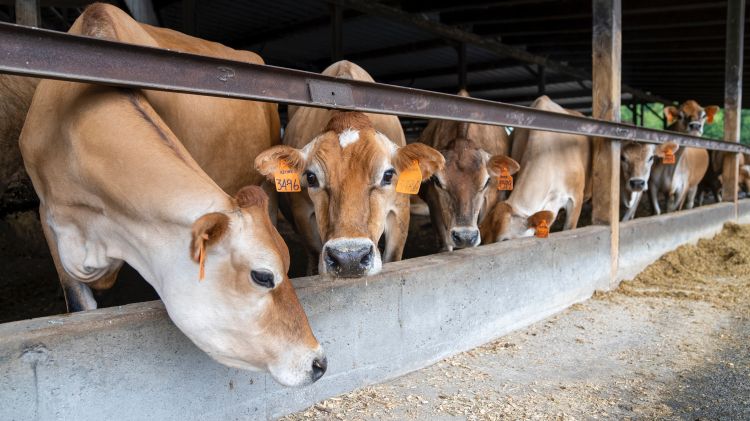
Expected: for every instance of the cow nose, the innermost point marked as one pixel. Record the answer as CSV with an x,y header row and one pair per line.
x,y
637,184
348,262
695,126
465,237
319,367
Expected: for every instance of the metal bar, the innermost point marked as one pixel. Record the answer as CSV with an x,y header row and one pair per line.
x,y
56,55
337,33
27,13
733,95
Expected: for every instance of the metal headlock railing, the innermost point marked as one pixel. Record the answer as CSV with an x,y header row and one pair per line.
x,y
56,55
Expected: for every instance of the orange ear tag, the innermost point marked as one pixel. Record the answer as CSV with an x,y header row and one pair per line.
x,y
202,261
287,180
669,158
542,230
410,179
505,180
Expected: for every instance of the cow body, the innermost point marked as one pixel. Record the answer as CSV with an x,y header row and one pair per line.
x,y
679,182
555,174
458,195
349,163
636,164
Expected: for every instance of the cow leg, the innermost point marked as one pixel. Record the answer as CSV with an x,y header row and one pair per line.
x,y
691,198
572,213
633,206
675,200
396,230
654,200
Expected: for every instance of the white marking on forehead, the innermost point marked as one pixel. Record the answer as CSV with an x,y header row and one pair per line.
x,y
347,137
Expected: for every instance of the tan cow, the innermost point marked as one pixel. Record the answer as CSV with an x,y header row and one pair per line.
x,y
349,165
678,182
636,162
459,194
116,185
555,174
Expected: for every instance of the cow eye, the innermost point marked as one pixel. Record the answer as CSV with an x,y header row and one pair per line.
x,y
486,183
650,158
312,179
436,181
388,177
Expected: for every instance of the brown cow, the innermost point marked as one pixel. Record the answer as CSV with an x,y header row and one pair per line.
x,y
350,164
458,195
116,185
555,174
679,181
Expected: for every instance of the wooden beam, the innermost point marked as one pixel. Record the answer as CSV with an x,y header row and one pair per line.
x,y
27,13
337,33
733,95
607,47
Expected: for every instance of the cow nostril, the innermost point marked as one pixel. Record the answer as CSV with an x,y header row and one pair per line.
x,y
474,237
263,278
331,258
367,258
319,367
456,237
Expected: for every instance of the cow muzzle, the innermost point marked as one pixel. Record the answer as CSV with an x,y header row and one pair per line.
x,y
637,184
350,258
464,237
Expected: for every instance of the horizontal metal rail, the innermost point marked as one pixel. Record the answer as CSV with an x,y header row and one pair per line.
x,y
56,55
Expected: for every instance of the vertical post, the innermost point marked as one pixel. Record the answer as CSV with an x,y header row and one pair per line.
x,y
733,95
606,49
462,70
541,80
189,17
27,13
337,33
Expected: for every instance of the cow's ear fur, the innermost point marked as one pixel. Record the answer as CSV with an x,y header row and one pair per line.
x,y
267,162
671,113
207,230
498,162
711,111
661,150
430,160
538,217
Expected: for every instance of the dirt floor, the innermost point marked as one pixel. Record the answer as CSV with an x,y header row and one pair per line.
x,y
674,343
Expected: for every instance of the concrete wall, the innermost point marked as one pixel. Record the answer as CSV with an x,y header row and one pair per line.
x,y
132,363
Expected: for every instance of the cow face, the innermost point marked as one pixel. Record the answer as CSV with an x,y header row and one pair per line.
x,y
636,160
505,223
690,117
458,193
350,172
244,313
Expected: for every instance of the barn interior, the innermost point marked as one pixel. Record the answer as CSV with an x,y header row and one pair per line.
x,y
509,51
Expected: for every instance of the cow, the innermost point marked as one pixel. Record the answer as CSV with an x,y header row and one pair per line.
x,y
555,174
636,162
678,182
116,185
459,194
349,163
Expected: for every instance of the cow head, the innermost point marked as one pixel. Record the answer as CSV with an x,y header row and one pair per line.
x,y
636,160
690,117
457,193
350,172
503,222
244,313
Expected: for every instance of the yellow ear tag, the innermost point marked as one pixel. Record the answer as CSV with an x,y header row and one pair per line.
x,y
669,158
287,180
542,229
505,180
202,261
410,179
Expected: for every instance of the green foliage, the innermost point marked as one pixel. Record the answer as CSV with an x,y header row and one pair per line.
x,y
712,131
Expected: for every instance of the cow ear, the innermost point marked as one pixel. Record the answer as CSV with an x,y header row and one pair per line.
x,y
661,150
498,162
537,218
711,111
430,160
268,161
671,114
207,230
250,196
744,171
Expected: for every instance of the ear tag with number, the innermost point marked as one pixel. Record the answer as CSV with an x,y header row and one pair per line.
x,y
669,158
287,180
505,180
410,179
542,229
